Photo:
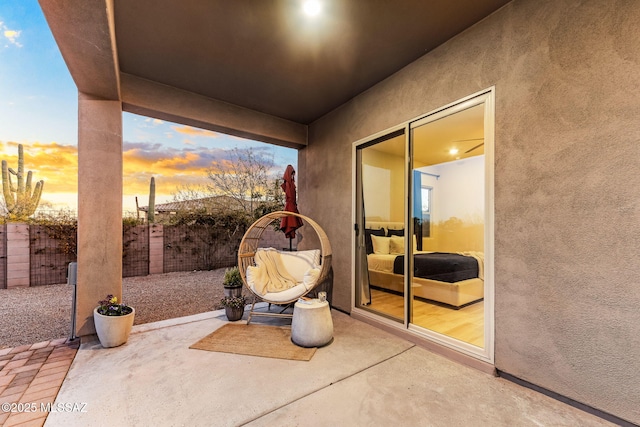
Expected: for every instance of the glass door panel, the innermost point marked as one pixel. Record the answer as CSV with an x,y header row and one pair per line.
x,y
448,221
380,212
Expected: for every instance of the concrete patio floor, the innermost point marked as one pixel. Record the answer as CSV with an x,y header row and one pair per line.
x,y
365,377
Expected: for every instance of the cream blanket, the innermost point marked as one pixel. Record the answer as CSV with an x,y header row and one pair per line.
x,y
270,274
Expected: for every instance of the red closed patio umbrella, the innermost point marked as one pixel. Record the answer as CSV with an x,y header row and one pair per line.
x,y
290,224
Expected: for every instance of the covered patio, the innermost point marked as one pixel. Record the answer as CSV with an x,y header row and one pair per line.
x,y
365,377
259,70
561,311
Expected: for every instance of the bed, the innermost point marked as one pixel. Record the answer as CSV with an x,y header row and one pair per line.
x,y
454,279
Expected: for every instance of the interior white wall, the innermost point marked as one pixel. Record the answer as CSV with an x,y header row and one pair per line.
x,y
459,190
376,186
390,196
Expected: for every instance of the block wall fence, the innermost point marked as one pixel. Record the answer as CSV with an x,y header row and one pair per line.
x,y
30,255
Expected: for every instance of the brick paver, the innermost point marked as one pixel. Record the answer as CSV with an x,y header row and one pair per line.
x,y
20,349
30,378
39,345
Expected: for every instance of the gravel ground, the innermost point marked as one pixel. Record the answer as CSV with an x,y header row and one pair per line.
x,y
31,315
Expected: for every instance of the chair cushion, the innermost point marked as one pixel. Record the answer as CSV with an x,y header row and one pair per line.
x,y
289,294
303,266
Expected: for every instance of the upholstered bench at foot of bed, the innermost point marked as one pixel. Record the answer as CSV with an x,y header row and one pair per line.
x,y
454,294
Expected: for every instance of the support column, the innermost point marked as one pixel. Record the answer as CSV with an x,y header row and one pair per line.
x,y
99,206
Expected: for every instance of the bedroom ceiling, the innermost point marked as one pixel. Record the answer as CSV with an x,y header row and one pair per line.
x,y
267,56
462,131
433,142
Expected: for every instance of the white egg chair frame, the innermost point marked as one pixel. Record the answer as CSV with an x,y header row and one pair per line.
x,y
250,243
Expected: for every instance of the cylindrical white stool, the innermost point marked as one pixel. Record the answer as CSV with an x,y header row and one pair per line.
x,y
311,325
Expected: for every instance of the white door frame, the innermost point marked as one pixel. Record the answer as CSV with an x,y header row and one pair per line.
x,y
486,354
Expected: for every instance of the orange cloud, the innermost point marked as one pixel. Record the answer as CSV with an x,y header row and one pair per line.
x,y
54,163
178,162
171,168
133,161
153,121
57,165
188,130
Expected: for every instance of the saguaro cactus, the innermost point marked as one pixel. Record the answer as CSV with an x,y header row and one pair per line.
x,y
151,214
21,202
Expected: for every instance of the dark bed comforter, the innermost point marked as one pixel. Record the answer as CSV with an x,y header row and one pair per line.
x,y
445,267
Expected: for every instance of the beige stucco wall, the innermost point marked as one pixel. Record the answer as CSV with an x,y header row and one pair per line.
x,y
99,206
567,208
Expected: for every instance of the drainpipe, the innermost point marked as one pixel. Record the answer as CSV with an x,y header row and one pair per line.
x,y
72,279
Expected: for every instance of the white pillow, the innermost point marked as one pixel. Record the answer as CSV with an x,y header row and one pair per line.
x,y
311,277
300,262
380,244
396,245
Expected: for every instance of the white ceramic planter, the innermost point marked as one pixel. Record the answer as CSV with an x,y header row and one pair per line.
x,y
113,330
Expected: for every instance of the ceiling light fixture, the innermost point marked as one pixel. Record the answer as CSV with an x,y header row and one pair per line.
x,y
312,7
453,151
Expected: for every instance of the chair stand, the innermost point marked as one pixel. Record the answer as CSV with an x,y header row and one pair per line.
x,y
280,315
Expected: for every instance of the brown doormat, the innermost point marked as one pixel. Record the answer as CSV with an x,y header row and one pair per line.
x,y
255,340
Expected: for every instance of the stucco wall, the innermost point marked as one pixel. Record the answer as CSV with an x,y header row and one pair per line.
x,y
567,208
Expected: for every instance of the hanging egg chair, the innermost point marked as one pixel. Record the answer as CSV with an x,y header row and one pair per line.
x,y
300,272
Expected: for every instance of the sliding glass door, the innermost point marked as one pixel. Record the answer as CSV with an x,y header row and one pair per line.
x,y
448,215
424,233
380,211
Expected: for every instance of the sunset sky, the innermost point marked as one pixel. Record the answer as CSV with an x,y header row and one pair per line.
x,y
38,108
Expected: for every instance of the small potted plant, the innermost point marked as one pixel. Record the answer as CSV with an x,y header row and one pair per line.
x,y
113,321
234,307
232,282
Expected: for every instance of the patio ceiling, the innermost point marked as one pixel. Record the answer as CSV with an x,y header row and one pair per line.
x,y
261,60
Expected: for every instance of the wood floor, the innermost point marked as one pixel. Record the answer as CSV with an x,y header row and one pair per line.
x,y
466,324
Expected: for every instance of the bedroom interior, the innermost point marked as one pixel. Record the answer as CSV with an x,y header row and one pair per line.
x,y
446,189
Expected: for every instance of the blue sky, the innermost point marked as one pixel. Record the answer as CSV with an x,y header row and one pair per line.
x,y
38,108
